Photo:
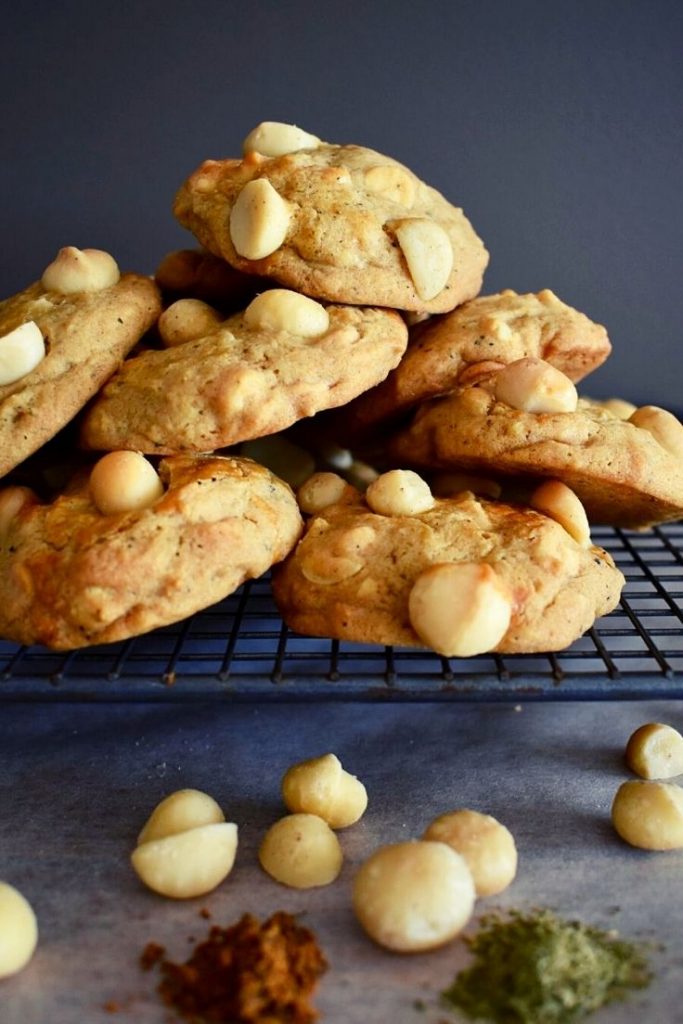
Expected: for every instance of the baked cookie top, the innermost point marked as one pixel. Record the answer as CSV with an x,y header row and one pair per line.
x,y
60,339
74,575
341,223
197,274
283,358
488,330
626,472
461,575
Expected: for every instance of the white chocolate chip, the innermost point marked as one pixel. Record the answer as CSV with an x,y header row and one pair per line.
x,y
532,385
400,492
179,812
663,426
279,309
20,352
186,320
12,500
558,501
124,481
319,491
275,138
460,608
80,270
18,930
259,220
390,182
189,863
428,253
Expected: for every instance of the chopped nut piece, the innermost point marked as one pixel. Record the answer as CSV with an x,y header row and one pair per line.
x,y
186,320
532,385
393,183
275,138
20,352
428,253
663,426
259,220
558,501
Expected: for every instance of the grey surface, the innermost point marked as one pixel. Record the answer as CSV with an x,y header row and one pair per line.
x,y
77,782
555,125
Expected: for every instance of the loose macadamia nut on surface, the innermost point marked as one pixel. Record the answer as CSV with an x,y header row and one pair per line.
x,y
18,930
301,851
532,385
80,270
649,815
655,751
180,811
259,220
124,482
186,320
400,492
663,425
487,846
559,502
20,352
279,309
319,491
321,786
413,896
189,863
275,138
460,609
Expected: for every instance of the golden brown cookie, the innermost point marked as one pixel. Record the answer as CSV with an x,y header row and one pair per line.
x,y
199,275
74,575
626,472
341,223
462,575
86,318
490,329
283,358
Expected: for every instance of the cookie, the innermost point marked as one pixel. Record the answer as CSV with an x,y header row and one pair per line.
x,y
341,223
461,575
626,472
74,575
283,358
60,339
491,329
199,275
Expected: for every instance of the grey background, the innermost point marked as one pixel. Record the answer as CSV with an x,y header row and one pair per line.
x,y
557,126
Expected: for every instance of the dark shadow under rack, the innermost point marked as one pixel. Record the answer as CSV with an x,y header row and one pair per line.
x,y
241,650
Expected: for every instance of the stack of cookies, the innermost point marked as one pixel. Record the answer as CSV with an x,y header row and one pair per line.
x,y
335,298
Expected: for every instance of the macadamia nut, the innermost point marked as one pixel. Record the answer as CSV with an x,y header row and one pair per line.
x,y
274,138
460,609
18,931
559,502
532,385
413,896
187,864
80,270
12,500
259,220
301,851
428,252
392,183
124,482
20,352
186,320
663,425
319,491
487,846
280,309
400,492
655,751
180,811
649,815
321,786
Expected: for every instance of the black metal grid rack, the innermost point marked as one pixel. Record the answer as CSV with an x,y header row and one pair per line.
x,y
241,650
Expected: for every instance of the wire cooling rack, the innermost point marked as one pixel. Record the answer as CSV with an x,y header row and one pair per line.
x,y
241,650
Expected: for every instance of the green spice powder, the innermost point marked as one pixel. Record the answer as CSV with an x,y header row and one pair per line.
x,y
536,968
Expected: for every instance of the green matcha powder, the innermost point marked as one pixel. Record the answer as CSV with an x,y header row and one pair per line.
x,y
536,968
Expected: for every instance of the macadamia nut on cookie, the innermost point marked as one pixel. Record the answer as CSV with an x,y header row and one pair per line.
x,y
400,492
259,220
20,352
275,138
80,270
124,482
532,385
